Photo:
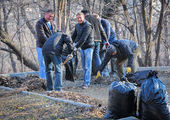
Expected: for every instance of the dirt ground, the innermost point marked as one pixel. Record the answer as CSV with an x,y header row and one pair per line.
x,y
96,94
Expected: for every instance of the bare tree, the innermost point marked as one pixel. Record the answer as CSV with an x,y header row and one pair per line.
x,y
16,50
158,35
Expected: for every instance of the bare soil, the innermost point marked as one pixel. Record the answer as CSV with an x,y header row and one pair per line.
x,y
96,94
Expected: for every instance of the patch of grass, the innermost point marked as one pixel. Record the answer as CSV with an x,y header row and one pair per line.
x,y
31,107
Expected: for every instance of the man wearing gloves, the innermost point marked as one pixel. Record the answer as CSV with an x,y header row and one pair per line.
x,y
52,51
122,50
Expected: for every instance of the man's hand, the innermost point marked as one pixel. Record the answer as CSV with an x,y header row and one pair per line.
x,y
107,44
98,75
74,44
128,70
74,49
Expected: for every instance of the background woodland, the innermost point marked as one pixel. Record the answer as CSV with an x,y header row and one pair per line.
x,y
144,21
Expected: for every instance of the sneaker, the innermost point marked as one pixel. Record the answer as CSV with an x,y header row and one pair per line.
x,y
58,90
84,86
49,92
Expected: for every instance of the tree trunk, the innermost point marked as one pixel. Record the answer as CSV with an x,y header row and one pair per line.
x,y
6,15
130,25
158,34
28,22
5,39
167,50
147,28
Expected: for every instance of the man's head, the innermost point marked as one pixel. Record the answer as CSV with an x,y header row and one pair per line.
x,y
96,16
85,11
80,17
49,15
111,49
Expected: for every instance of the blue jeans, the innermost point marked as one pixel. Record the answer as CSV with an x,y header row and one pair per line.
x,y
105,72
96,58
86,60
41,63
51,60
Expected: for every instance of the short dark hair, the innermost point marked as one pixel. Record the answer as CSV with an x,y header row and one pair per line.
x,y
49,11
85,11
79,13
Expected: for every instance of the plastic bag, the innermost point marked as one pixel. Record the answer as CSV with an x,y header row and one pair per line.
x,y
122,100
139,76
69,71
154,99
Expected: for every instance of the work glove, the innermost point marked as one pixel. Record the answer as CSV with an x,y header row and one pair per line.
x,y
105,46
98,75
128,70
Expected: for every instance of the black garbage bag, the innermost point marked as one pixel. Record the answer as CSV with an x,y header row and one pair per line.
x,y
122,100
68,68
69,71
154,99
139,76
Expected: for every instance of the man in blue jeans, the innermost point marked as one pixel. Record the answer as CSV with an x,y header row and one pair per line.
x,y
44,29
83,38
98,32
111,38
52,51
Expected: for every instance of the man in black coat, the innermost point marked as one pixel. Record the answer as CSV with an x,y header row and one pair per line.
x,y
83,38
52,51
44,29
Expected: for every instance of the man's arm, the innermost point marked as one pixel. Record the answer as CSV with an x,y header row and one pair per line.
x,y
130,56
103,34
68,42
105,61
86,31
41,32
74,35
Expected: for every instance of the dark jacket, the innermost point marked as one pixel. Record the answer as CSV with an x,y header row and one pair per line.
x,y
124,49
83,35
43,32
108,30
98,30
54,45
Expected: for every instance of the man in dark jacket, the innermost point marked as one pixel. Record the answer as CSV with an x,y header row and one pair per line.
x,y
52,51
122,50
44,29
83,38
98,32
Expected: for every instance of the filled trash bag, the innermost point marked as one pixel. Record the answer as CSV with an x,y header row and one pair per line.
x,y
154,99
122,100
68,69
139,76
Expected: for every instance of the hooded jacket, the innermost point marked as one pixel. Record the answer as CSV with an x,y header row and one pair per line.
x,y
124,50
54,44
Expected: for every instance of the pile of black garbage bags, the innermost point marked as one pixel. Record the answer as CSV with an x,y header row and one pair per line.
x,y
142,95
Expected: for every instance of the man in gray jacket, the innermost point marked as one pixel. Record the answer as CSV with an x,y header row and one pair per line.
x,y
52,51
98,33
